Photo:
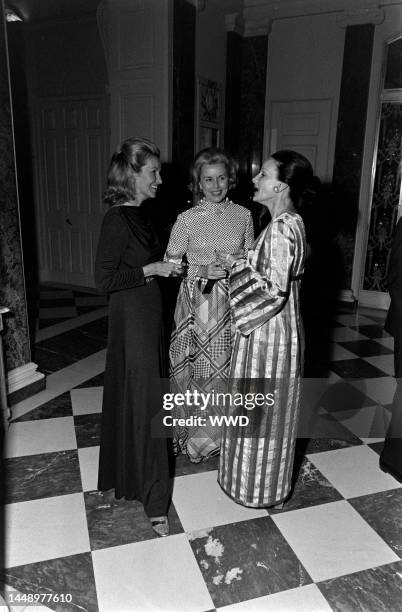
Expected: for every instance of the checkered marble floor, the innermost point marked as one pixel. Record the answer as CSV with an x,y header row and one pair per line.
x,y
336,545
60,310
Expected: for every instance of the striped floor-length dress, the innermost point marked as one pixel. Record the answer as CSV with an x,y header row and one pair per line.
x,y
256,461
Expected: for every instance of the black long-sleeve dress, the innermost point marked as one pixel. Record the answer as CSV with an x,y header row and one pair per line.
x,y
132,461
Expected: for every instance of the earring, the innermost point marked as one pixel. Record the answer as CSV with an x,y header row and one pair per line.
x,y
276,188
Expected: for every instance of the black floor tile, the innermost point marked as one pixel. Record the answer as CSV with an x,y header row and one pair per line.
x,y
60,406
43,323
67,575
373,590
310,489
39,476
383,512
95,329
371,331
56,302
113,522
49,362
366,348
72,343
246,560
95,381
377,447
356,368
182,466
87,429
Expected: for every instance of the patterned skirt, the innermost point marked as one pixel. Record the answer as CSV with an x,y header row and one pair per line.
x,y
199,358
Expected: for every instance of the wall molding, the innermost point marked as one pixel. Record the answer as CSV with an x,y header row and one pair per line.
x,y
346,295
21,377
374,299
234,23
198,4
361,16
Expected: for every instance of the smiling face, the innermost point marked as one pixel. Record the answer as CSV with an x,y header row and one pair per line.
x,y
214,182
265,181
147,180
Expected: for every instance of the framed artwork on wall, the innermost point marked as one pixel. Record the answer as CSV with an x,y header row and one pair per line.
x,y
209,114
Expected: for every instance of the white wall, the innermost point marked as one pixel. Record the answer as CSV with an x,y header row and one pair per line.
x,y
305,57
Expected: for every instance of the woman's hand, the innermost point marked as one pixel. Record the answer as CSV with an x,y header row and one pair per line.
x,y
163,268
215,271
226,260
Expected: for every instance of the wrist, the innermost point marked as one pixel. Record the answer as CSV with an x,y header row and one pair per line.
x,y
148,269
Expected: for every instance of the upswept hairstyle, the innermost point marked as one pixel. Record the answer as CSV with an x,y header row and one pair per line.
x,y
212,156
296,171
132,156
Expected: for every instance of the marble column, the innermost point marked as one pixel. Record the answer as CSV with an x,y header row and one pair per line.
x,y
23,379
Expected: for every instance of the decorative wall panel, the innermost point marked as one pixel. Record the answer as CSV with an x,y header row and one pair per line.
x,y
386,197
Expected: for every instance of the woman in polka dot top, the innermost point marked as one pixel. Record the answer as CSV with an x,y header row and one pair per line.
x,y
201,341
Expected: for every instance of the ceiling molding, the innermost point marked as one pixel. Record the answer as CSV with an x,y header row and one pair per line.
x,y
257,10
234,23
374,15
198,4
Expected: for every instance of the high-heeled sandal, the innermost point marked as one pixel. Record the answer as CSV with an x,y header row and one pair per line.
x,y
160,524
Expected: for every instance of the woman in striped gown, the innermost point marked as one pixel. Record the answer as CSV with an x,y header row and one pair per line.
x,y
256,460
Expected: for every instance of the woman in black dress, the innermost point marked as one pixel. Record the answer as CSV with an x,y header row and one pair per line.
x,y
132,462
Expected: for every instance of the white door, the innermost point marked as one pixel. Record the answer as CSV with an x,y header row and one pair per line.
x,y
71,151
305,127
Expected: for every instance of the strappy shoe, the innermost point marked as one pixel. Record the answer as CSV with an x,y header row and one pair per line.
x,y
160,524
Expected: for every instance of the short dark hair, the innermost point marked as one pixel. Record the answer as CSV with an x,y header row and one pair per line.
x,y
295,170
132,156
211,156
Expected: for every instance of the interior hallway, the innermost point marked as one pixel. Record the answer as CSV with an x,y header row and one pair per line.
x,y
336,545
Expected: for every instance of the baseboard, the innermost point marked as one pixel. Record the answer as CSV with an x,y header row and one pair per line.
x,y
346,295
24,381
374,299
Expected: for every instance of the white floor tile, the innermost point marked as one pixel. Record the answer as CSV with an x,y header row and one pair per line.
x,y
201,503
86,400
382,362
62,381
89,459
380,389
368,422
45,529
303,599
345,334
157,575
333,540
40,436
57,312
354,471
